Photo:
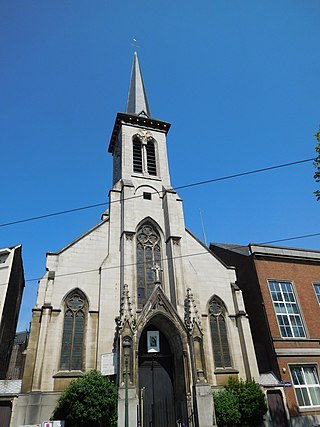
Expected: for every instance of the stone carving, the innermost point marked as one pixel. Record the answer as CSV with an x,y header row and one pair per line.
x,y
144,136
126,312
191,314
157,273
159,304
129,235
193,324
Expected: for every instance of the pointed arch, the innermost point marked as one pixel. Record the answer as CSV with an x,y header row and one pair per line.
x,y
144,153
75,314
151,158
219,333
148,254
137,154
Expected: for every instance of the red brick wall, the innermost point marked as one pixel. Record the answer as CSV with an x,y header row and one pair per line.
x,y
302,276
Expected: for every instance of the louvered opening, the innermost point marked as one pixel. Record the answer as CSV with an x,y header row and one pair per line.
x,y
137,156
151,158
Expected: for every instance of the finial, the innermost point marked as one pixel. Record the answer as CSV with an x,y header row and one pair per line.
x,y
135,44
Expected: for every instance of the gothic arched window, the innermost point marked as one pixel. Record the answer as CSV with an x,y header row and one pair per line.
x,y
137,155
144,155
151,158
73,332
148,257
219,335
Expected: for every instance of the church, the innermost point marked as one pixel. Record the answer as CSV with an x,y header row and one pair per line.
x,y
138,297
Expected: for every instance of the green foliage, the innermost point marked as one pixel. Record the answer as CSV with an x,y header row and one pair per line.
x,y
88,401
317,164
227,409
240,404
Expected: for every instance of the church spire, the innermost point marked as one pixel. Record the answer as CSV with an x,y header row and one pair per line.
x,y
137,102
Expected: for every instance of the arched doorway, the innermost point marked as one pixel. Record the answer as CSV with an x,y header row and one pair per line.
x,y
161,377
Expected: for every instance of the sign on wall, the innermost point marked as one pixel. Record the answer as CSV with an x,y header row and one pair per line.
x,y
109,363
45,424
153,341
53,424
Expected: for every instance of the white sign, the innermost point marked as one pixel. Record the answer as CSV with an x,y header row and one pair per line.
x,y
109,363
52,424
45,424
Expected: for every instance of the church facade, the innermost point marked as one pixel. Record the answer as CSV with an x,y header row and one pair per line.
x,y
138,297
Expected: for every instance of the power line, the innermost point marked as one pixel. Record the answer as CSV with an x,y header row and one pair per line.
x,y
176,257
194,184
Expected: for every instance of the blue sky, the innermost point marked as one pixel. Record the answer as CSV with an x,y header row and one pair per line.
x,y
238,80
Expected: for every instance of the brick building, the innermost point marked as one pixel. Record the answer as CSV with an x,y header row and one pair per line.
x,y
11,288
281,289
17,358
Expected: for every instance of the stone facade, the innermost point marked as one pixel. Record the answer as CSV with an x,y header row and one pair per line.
x,y
138,276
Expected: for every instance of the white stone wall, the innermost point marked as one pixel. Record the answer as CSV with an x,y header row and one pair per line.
x,y
103,260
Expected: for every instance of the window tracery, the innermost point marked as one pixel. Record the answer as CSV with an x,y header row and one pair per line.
x,y
219,335
73,332
148,255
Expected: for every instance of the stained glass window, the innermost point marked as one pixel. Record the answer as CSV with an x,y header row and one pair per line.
x,y
148,254
219,335
73,333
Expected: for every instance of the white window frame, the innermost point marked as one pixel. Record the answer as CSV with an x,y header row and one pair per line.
x,y
286,309
316,287
304,386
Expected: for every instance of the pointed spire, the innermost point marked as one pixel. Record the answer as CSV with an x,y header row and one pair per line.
x,y
137,102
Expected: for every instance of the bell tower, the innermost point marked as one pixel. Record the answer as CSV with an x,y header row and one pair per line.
x,y
147,227
138,141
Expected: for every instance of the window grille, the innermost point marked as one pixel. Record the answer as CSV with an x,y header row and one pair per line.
x,y
219,335
137,156
73,333
151,158
144,157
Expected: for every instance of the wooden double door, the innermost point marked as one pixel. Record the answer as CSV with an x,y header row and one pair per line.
x,y
161,403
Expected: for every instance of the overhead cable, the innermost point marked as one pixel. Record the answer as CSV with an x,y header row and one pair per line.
x,y
194,184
